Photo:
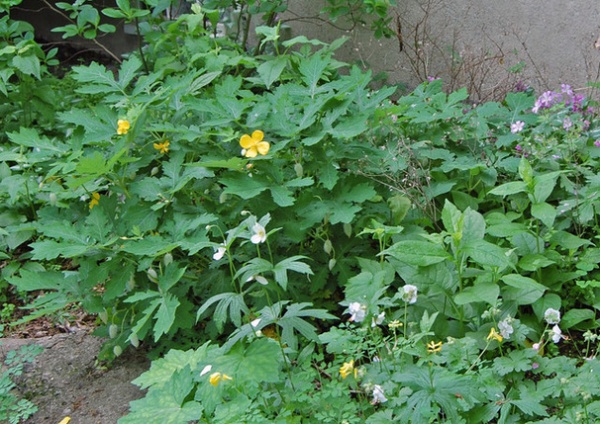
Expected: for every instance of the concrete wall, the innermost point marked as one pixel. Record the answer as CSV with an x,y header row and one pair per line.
x,y
474,43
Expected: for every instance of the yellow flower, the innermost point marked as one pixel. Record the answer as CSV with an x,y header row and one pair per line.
x,y
123,126
95,200
348,368
395,324
65,420
433,347
253,145
162,147
216,377
494,335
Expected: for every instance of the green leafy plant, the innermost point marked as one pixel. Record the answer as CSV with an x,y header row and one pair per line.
x,y
12,409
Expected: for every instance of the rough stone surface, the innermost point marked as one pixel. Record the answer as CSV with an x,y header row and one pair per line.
x,y
66,380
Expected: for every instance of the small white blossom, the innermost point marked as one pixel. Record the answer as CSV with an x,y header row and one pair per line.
x,y
219,253
505,327
259,234
517,127
378,320
357,311
556,334
255,323
535,346
552,316
205,370
378,395
409,294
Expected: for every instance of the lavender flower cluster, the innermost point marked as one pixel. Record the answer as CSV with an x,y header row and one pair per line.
x,y
566,95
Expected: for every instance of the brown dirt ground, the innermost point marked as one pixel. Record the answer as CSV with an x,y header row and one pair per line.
x,y
67,380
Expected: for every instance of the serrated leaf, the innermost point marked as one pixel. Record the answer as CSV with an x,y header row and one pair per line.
x,y
165,316
166,404
29,65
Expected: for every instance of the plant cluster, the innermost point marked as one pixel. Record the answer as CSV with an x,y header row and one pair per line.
x,y
14,409
302,247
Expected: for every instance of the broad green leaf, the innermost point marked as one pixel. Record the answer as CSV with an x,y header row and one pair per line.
x,y
162,369
417,253
29,65
512,187
487,254
575,316
480,292
522,290
271,70
149,246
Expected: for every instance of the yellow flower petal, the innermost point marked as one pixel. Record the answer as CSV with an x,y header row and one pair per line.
x,y
123,126
258,135
251,152
65,420
263,147
347,368
214,378
246,141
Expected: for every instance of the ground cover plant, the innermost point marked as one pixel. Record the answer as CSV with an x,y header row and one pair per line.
x,y
294,245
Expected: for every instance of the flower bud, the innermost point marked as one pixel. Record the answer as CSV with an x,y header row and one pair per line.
x,y
131,283
347,229
167,259
332,263
113,330
328,246
154,171
134,340
152,275
53,198
299,170
117,350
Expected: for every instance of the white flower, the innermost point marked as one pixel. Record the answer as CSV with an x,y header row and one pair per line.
x,y
219,253
255,323
259,234
378,320
261,280
552,316
205,370
505,327
378,396
535,346
556,334
357,312
409,294
517,127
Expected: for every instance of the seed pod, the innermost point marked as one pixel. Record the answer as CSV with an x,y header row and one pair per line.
x,y
134,340
152,275
347,229
53,198
113,330
167,259
223,197
299,170
154,171
117,350
328,246
332,263
131,283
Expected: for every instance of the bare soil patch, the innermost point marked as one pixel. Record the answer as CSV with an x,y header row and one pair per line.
x,y
67,380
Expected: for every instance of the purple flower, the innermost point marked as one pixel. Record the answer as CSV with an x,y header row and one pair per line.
x,y
430,78
521,87
517,127
566,89
518,148
597,143
546,100
567,123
